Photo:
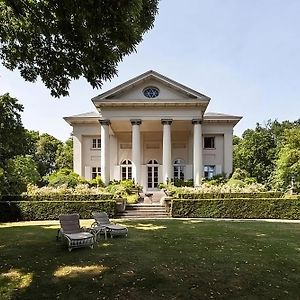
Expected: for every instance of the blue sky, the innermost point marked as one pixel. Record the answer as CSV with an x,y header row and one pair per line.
x,y
245,55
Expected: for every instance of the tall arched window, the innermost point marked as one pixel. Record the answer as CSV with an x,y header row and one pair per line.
x,y
126,169
179,167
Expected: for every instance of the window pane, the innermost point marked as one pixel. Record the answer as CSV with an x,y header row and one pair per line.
x,y
209,142
99,143
94,145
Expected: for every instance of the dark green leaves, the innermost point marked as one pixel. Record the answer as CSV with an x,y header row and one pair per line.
x,y
64,40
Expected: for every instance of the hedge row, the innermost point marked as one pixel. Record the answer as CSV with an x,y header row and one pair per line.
x,y
229,195
242,208
50,210
58,197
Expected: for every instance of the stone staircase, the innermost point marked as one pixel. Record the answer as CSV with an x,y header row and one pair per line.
x,y
149,207
135,211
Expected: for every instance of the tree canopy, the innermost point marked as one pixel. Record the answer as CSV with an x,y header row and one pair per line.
x,y
288,163
63,40
270,153
12,132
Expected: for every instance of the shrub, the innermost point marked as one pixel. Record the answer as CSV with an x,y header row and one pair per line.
x,y
96,182
245,208
64,177
206,187
124,189
195,195
58,197
50,210
80,189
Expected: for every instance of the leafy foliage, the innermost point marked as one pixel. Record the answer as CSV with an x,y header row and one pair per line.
x,y
21,171
257,151
46,151
12,132
64,177
50,210
64,40
242,208
288,163
64,155
80,189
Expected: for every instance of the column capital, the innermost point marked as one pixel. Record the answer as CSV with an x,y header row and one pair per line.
x,y
104,122
196,121
136,121
166,121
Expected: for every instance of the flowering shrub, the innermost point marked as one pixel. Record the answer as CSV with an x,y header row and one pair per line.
x,y
81,189
232,186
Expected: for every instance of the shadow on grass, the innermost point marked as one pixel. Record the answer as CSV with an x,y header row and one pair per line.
x,y
159,259
35,265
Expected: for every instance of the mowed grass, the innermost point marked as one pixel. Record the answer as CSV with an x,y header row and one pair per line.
x,y
160,259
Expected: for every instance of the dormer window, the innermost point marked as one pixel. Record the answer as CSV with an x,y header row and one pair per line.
x,y
151,92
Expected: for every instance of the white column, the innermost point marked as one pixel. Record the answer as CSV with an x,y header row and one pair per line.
x,y
228,153
197,152
136,150
167,151
105,159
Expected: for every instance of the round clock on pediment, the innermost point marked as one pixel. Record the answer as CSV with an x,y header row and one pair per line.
x,y
151,92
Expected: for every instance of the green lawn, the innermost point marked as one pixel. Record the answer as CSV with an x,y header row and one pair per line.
x,y
160,259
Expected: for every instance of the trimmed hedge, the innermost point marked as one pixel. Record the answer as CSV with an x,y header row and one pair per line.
x,y
242,208
229,195
58,197
50,210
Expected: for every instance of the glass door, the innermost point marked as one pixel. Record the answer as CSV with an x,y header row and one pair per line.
x,y
152,170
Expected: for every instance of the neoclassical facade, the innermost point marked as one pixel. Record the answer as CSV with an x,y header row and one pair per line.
x,y
152,129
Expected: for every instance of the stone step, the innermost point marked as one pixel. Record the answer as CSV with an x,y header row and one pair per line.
x,y
143,211
148,208
143,217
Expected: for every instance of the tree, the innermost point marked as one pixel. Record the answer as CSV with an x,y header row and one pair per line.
x,y
64,40
46,149
258,149
21,170
12,132
256,153
64,155
2,181
288,163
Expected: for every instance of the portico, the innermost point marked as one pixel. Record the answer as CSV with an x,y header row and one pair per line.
x,y
152,129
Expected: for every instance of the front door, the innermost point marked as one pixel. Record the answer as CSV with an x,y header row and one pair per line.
x,y
152,170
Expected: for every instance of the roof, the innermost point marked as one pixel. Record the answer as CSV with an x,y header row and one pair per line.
x,y
219,117
150,75
88,117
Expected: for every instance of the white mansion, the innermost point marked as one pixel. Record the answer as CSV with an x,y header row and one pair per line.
x,y
152,129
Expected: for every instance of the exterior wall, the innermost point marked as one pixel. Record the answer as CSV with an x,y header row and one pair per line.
x,y
165,92
223,152
151,148
83,156
214,156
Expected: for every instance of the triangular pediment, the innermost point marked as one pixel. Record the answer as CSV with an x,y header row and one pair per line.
x,y
134,90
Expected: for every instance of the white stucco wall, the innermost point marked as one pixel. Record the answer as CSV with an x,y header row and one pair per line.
x,y
137,92
151,148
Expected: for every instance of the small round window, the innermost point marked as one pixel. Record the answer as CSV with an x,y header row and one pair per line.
x,y
151,92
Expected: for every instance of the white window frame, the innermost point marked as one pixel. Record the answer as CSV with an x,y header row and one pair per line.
x,y
126,165
210,170
214,142
179,169
96,143
95,171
